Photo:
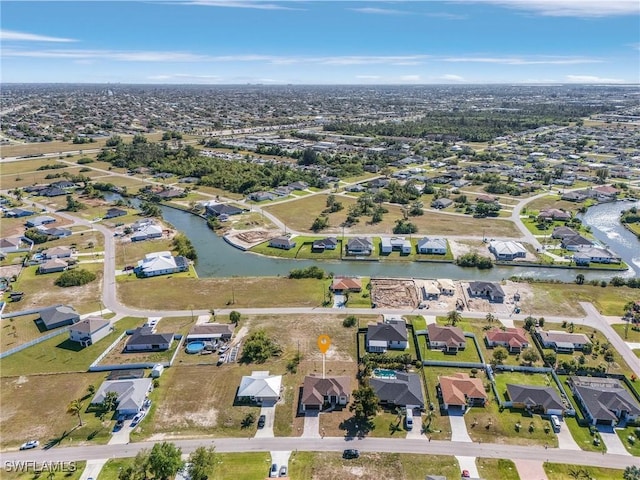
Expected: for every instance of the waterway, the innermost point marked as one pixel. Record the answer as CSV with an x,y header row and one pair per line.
x,y
216,258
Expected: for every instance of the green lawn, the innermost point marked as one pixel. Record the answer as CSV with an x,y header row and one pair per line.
x,y
503,378
630,437
301,250
59,354
627,332
557,471
497,468
370,466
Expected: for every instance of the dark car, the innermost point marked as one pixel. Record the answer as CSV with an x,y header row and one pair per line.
x,y
350,453
261,421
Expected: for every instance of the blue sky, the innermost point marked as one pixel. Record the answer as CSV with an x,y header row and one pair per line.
x,y
321,42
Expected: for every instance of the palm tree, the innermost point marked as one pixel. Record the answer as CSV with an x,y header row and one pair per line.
x,y
453,317
75,408
490,318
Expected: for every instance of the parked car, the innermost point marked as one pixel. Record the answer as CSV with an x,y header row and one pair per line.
x,y
465,474
283,471
30,444
274,470
223,348
118,426
350,453
261,421
222,359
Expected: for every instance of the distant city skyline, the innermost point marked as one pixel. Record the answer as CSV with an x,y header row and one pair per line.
x,y
321,42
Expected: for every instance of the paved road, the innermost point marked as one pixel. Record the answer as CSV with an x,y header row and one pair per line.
x,y
332,444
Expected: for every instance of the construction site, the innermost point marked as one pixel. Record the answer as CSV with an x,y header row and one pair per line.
x,y
394,293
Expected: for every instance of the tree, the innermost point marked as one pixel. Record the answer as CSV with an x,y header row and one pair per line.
x,y
75,278
165,461
150,210
580,279
350,321
530,355
234,317
490,318
550,359
365,402
202,462
91,389
73,205
453,317
259,348
110,402
320,223
500,354
631,473
75,409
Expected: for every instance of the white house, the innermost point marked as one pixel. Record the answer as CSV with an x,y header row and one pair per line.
x,y
132,394
507,250
260,387
57,252
432,246
387,245
90,330
146,233
161,263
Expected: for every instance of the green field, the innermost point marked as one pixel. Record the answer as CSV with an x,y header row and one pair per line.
x,y
556,471
497,468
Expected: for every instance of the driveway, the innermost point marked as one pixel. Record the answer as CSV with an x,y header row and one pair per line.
x,y
565,439
530,469
612,441
338,300
416,431
280,458
469,463
458,428
311,424
269,411
93,468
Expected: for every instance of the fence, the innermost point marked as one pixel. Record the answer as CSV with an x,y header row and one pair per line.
x,y
106,352
34,342
95,367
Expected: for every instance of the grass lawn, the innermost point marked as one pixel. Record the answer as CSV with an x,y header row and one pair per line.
x,y
627,332
562,299
503,378
68,471
418,322
34,407
551,201
497,468
128,253
370,466
168,292
558,471
299,214
630,432
59,354
637,352
241,466
27,165
19,330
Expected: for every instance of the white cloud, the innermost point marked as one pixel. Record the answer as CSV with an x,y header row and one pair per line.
x,y
451,78
124,56
379,11
10,35
410,78
237,4
184,76
571,8
368,77
524,60
592,79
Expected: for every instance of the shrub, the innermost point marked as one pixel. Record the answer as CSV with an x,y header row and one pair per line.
x,y
75,278
350,321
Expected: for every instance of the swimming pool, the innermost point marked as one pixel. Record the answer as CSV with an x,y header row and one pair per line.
x,y
195,347
382,373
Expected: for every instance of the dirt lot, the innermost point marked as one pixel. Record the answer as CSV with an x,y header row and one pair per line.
x,y
250,238
460,247
391,293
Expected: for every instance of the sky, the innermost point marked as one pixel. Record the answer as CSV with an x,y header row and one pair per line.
x,y
320,42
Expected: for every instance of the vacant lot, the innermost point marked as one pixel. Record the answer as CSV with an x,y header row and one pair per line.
x,y
551,201
35,407
168,292
497,468
129,253
370,466
557,471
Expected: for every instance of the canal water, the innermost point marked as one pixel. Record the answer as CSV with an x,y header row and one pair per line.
x,y
216,258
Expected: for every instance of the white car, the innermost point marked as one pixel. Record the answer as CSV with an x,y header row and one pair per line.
x,y
30,444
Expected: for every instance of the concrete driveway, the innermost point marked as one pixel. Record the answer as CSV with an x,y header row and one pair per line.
x,y
280,458
469,463
565,439
93,468
311,424
338,300
269,411
458,428
612,441
530,469
416,431
121,437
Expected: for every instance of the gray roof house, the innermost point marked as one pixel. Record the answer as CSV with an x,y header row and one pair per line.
x,y
391,334
446,338
318,391
57,252
405,390
431,246
328,243
260,387
536,399
144,339
40,220
89,331
490,290
209,332
359,246
58,316
285,243
132,394
604,401
52,266
441,203
222,209
575,242
562,342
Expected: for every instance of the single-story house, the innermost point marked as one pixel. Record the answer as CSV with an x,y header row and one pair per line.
x,y
507,250
359,246
115,212
284,243
132,394
447,287
52,192
40,220
222,209
64,184
210,332
57,252
584,256
260,387
432,246
161,263
58,316
387,245
18,212
575,242
10,244
346,284
486,199
405,390
144,339
261,196
56,232
90,330
554,214
604,401
490,290
328,243
318,391
562,342
429,289
562,232
147,232
537,399
52,266
446,338
460,390
391,334
513,339
299,185
441,203
575,196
